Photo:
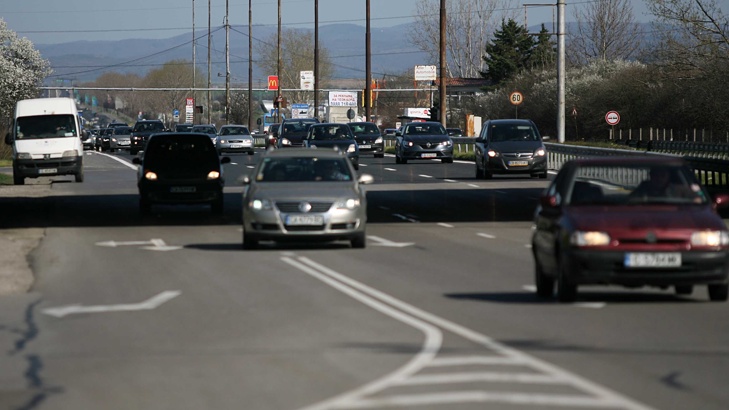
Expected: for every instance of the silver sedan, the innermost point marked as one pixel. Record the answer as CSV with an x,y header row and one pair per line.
x,y
234,138
302,195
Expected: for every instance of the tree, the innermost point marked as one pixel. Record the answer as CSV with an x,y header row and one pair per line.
x,y
544,55
467,27
22,70
173,74
508,53
606,30
297,54
693,32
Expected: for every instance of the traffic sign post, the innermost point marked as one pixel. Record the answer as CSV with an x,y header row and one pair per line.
x,y
516,98
612,118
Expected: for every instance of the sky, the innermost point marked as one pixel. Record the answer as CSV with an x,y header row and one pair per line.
x,y
60,21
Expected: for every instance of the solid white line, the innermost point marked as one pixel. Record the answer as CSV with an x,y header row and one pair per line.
x,y
485,235
483,397
525,378
606,397
431,346
115,158
474,360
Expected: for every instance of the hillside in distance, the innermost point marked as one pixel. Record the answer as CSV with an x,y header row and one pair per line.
x,y
84,61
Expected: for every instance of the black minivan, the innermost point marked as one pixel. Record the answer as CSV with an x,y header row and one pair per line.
x,y
510,146
180,168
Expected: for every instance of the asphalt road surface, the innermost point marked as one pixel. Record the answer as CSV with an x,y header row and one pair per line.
x,y
438,312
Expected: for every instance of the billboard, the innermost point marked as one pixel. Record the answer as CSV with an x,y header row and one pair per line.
x,y
342,98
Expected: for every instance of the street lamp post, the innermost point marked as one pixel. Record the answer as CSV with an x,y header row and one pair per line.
x,y
250,66
227,65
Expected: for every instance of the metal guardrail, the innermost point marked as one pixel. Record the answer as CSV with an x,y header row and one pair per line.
x,y
709,161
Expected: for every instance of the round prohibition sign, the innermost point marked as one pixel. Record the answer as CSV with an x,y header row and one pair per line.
x,y
612,117
516,98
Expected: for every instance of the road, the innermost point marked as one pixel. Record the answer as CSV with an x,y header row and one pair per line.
x,y
167,311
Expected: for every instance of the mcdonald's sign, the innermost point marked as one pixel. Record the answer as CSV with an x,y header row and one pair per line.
x,y
273,82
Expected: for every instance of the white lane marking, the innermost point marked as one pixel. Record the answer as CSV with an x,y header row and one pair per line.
x,y
153,244
450,378
389,243
528,246
486,235
474,186
445,225
602,397
425,176
250,166
406,218
541,400
115,158
433,336
450,180
149,304
363,165
390,169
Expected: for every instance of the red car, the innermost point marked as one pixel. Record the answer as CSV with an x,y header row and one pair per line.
x,y
638,221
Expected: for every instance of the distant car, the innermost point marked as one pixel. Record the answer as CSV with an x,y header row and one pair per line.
x,y
209,129
117,124
142,130
369,138
633,221
333,136
183,127
120,138
89,140
292,131
389,132
272,136
454,132
423,140
234,138
102,139
180,168
303,195
510,146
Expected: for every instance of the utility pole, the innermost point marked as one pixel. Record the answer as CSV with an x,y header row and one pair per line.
x,y
194,62
209,65
278,67
368,66
560,72
442,85
316,58
227,65
250,66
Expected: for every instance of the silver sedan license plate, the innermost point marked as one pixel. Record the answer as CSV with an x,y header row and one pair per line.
x,y
428,155
299,220
652,260
47,170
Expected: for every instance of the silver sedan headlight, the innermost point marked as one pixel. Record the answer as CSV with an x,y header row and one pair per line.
x,y
260,205
350,203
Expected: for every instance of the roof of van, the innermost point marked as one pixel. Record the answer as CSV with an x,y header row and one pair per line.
x,y
45,106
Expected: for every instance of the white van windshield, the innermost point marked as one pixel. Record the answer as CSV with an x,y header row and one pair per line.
x,y
45,126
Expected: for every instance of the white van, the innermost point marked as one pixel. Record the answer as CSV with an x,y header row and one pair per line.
x,y
46,139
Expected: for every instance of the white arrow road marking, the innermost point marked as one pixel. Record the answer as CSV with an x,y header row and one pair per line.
x,y
152,244
149,304
386,242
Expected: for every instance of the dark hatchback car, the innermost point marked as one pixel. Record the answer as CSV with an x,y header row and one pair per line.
x,y
292,131
369,138
633,221
180,168
510,147
333,136
141,132
423,140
